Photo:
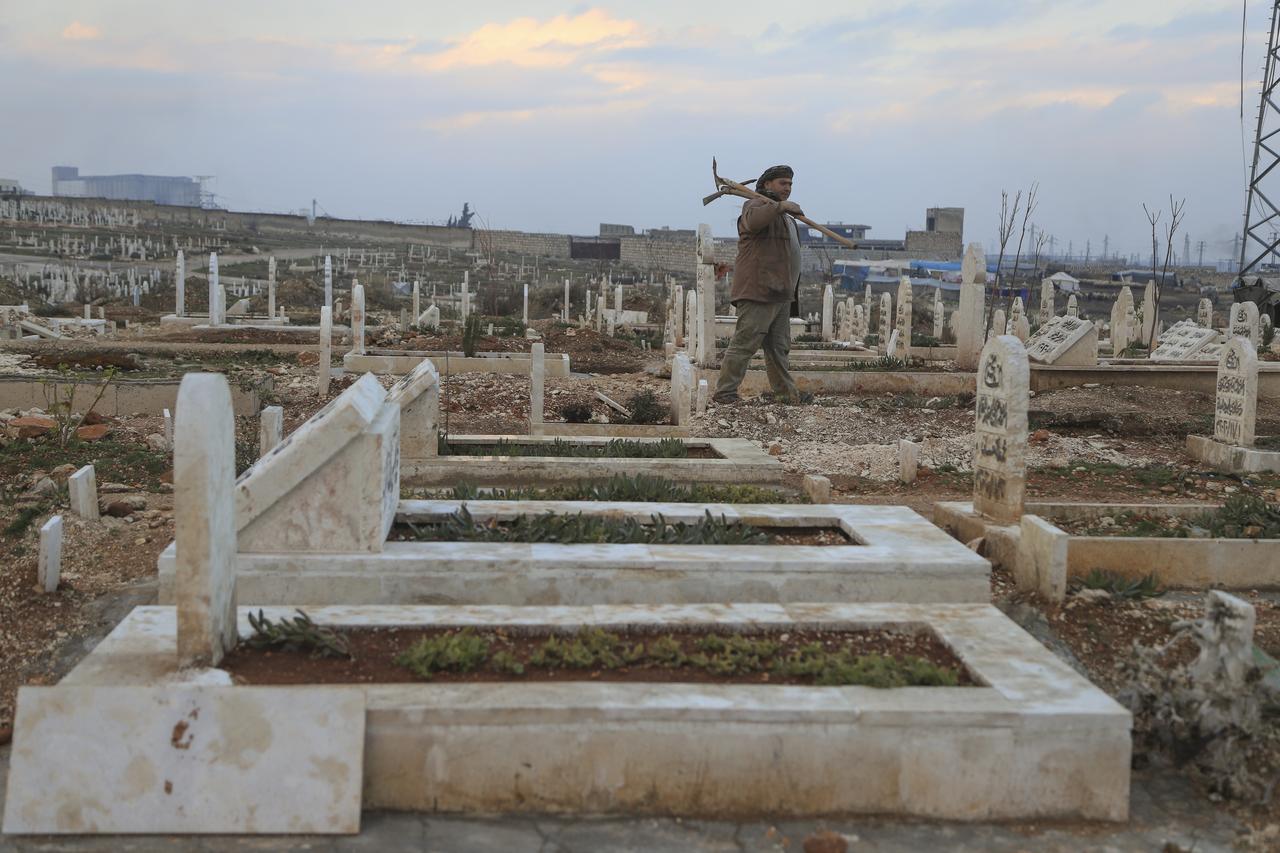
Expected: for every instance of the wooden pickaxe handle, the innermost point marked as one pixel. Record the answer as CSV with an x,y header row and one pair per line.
x,y
724,186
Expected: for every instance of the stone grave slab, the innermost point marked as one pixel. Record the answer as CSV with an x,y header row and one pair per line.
x,y
1236,401
417,394
136,759
330,485
1066,342
1183,341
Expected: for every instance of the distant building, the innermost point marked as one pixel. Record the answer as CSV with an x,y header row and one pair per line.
x,y
609,230
9,186
950,219
67,181
852,232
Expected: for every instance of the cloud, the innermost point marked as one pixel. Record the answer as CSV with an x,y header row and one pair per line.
x,y
530,43
77,31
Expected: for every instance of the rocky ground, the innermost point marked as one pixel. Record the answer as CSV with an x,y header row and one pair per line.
x,y
1088,443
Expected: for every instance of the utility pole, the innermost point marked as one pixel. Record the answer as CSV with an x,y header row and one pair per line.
x,y
1071,249
1106,247
1262,190
1088,250
1200,262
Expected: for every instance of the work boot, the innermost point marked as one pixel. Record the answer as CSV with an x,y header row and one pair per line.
x,y
726,399
804,398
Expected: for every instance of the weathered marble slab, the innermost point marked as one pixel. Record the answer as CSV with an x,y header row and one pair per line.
x,y
418,396
1182,341
1000,451
180,759
1236,400
1066,341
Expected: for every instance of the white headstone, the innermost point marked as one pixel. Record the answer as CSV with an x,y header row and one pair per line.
x,y
168,429
180,285
1148,312
430,319
681,377
357,319
537,380
1073,307
417,394
939,314
564,310
908,460
524,310
999,461
1244,323
828,313
704,349
905,300
1204,315
417,300
704,392
1047,308
271,287
970,320
1019,326
884,321
270,429
325,365
205,520
691,322
214,288
999,325
49,564
328,282
1236,400
82,488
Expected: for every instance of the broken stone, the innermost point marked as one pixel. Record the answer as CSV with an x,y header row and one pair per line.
x,y
124,505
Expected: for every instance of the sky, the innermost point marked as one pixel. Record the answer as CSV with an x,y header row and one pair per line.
x,y
556,117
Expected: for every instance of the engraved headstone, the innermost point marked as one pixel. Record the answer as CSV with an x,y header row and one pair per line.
x,y
180,285
1047,311
1236,399
1073,307
939,314
998,325
537,381
999,462
1019,326
328,282
1244,323
1065,341
681,392
324,365
884,321
1204,314
357,318
905,299
1182,342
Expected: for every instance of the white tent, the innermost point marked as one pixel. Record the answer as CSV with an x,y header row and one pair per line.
x,y
1065,282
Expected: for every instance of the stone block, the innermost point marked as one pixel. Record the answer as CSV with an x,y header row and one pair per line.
x,y
270,429
817,489
82,487
49,564
186,759
1041,566
418,396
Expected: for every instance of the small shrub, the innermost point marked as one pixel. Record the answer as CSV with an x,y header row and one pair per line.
x,y
1122,587
297,634
470,334
598,529
645,408
460,652
576,412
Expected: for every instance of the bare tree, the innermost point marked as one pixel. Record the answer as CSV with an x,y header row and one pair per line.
x,y
1041,239
1027,209
1176,210
1008,218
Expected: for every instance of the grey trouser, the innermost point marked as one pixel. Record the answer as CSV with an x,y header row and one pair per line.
x,y
759,323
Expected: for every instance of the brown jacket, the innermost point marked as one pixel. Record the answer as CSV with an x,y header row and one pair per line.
x,y
763,269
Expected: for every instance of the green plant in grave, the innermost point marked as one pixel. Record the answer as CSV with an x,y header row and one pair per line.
x,y
470,334
1122,587
666,448
645,408
297,634
460,652
642,488
590,529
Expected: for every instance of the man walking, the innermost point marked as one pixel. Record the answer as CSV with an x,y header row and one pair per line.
x,y
766,281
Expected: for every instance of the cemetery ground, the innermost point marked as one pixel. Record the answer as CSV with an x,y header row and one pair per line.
x,y
1087,444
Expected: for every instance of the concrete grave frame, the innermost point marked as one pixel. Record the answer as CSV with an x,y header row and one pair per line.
x,y
1178,563
899,557
398,362
736,460
1032,740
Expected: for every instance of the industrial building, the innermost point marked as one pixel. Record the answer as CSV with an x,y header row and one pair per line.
x,y
161,189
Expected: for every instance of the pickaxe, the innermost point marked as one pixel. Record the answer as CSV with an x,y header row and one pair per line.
x,y
724,186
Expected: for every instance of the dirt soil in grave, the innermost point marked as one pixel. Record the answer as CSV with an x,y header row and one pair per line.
x,y
374,650
588,350
234,335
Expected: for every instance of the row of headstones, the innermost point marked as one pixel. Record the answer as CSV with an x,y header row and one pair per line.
x,y
1004,389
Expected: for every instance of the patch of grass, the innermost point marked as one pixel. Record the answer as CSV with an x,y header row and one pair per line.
x,y
461,652
1122,587
596,529
1156,475
666,448
1243,516
24,519
113,459
722,655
